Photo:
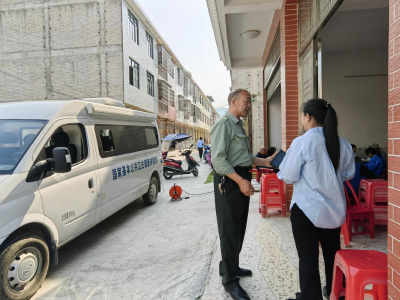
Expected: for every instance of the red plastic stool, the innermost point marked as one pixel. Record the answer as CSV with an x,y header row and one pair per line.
x,y
373,194
272,194
356,215
360,268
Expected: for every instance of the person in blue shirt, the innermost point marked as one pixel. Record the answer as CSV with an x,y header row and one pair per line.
x,y
377,164
362,172
200,146
317,163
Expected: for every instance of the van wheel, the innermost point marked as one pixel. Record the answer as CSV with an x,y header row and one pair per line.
x,y
151,196
23,267
167,176
196,172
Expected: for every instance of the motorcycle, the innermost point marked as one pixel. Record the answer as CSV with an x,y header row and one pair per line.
x,y
207,149
208,158
174,167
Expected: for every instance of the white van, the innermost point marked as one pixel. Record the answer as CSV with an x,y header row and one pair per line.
x,y
64,167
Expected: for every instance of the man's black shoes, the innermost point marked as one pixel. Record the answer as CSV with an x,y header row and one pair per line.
x,y
235,290
244,272
241,272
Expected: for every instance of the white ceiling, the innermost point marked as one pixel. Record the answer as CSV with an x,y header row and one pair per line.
x,y
244,51
231,18
356,30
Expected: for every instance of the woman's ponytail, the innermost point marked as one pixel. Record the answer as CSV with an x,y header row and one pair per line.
x,y
325,115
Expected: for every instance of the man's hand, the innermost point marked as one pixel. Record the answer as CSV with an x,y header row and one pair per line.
x,y
264,162
246,187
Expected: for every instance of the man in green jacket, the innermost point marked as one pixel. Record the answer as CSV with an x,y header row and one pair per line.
x,y
233,161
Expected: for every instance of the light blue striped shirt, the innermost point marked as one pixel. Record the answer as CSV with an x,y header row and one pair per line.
x,y
317,190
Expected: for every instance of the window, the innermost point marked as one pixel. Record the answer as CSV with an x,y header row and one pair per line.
x,y
150,84
181,77
16,136
133,28
171,70
125,139
150,46
72,137
172,98
107,140
134,73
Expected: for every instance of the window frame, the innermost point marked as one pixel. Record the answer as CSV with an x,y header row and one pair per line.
x,y
134,67
150,45
85,147
133,27
150,84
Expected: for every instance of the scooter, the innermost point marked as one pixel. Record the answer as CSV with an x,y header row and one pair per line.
x,y
207,149
174,167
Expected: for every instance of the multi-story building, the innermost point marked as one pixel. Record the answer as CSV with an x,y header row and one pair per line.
x,y
96,48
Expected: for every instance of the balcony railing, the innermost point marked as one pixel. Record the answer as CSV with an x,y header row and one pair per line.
x,y
162,106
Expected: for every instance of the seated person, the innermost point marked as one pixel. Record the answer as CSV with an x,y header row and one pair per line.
x,y
380,152
262,153
354,148
362,172
377,164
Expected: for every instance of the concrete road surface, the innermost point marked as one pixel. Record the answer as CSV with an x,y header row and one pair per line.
x,y
162,251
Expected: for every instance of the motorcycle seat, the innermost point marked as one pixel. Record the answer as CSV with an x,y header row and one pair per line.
x,y
179,162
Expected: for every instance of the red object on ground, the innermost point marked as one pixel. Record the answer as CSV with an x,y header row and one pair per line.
x,y
360,268
345,232
356,214
373,194
272,193
175,192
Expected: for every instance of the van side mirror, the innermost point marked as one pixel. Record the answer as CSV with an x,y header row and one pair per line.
x,y
61,161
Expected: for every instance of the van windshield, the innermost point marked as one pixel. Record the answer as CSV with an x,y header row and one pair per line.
x,y
15,138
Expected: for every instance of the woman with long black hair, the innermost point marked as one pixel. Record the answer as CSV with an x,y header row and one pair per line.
x,y
317,163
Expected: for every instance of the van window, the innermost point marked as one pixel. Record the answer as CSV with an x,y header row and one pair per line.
x,y
107,140
70,136
125,139
16,136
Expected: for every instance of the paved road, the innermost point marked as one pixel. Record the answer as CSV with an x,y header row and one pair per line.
x,y
159,252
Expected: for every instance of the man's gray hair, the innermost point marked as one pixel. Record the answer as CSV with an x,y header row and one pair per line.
x,y
233,94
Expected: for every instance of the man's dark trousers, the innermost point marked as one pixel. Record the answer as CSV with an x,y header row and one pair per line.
x,y
200,152
232,208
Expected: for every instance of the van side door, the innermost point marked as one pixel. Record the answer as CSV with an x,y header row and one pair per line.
x,y
69,199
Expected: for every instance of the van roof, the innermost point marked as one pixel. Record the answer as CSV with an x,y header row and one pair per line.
x,y
48,109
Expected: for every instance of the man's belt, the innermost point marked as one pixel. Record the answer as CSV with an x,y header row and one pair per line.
x,y
242,169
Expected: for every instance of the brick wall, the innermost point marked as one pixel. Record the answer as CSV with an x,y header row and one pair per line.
x,y
60,50
394,152
287,20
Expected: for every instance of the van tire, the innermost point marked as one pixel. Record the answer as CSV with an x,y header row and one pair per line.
x,y
152,194
36,251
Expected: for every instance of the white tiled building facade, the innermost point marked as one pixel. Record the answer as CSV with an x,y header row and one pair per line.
x,y
62,49
251,80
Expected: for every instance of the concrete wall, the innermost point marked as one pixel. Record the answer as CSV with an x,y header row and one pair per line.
x,y
274,110
251,80
60,50
360,102
133,95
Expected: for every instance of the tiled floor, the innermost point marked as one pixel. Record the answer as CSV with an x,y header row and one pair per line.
x,y
269,251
